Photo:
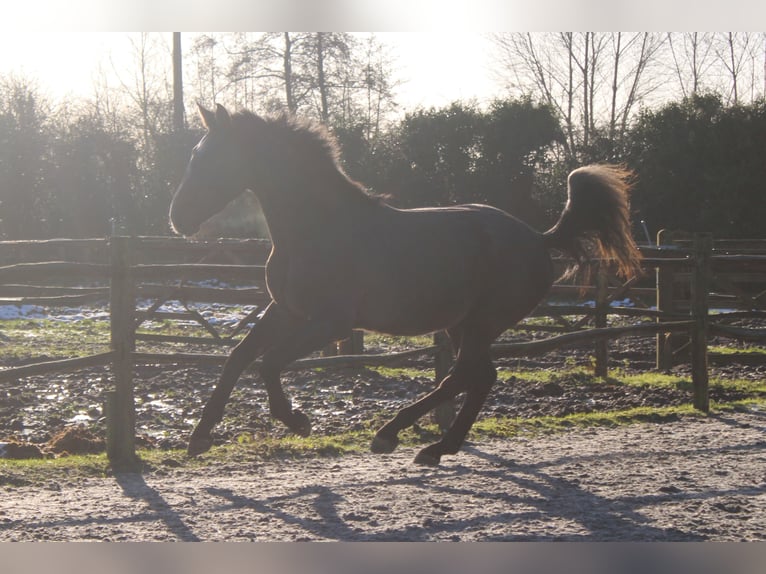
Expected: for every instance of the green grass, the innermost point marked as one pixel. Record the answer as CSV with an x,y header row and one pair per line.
x,y
749,349
40,471
58,339
403,372
70,339
510,427
583,375
248,449
31,338
381,340
617,376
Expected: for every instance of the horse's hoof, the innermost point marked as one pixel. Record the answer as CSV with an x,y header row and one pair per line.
x,y
300,424
425,458
199,445
383,444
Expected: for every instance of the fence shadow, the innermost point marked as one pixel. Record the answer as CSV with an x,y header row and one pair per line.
x,y
534,494
598,515
134,486
538,501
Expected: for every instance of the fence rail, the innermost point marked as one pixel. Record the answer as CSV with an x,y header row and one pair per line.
x,y
688,276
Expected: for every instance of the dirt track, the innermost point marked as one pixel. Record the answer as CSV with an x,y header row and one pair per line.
x,y
695,478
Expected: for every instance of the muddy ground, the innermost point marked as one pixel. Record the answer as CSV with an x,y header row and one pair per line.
x,y
690,478
169,398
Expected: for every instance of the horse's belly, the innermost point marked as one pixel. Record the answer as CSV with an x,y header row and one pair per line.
x,y
407,327
415,311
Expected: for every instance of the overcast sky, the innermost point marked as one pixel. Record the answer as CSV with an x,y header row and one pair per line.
x,y
435,68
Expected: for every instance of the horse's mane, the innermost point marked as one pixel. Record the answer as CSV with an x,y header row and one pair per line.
x,y
310,139
309,136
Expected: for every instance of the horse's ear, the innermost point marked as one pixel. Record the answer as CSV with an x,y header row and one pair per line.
x,y
222,116
207,116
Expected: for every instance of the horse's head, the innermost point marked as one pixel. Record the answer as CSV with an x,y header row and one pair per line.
x,y
215,174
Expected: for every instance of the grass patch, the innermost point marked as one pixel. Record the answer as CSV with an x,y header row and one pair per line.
x,y
291,446
381,340
745,350
403,372
505,427
248,449
669,380
39,472
54,339
620,377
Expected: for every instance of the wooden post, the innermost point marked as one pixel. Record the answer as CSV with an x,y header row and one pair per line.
x,y
665,282
600,318
330,350
443,414
354,345
120,407
700,283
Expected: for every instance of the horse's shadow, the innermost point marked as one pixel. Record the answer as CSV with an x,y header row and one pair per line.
x,y
536,493
600,518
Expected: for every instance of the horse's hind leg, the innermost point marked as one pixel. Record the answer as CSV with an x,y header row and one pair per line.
x,y
483,377
473,373
271,328
386,439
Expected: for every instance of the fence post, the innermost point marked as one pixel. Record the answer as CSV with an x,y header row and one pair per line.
x,y
600,319
354,345
120,407
700,283
665,288
443,414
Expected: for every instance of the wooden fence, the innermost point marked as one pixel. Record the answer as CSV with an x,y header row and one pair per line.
x,y
677,302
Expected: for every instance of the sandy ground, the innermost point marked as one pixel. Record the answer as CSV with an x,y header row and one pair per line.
x,y
692,479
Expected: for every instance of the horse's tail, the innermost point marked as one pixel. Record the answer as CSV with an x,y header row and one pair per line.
x,y
596,220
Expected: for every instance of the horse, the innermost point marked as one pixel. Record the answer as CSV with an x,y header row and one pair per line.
x,y
343,258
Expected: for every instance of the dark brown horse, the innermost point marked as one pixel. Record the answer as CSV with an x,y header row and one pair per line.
x,y
343,259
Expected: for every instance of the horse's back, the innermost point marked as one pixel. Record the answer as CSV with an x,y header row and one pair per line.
x,y
426,269
521,268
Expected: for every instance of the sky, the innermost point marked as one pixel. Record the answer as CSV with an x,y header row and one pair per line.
x,y
434,68
377,15
442,46
439,68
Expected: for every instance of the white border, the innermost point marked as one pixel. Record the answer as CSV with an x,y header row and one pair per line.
x,y
382,15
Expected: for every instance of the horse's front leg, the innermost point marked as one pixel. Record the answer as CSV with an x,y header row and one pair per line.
x,y
313,335
273,327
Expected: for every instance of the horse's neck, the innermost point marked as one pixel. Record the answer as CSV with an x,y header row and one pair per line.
x,y
302,218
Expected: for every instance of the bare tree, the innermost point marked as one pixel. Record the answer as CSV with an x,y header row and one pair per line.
x,y
258,71
105,102
732,64
206,57
148,93
633,56
692,57
585,51
287,61
179,121
378,85
535,65
594,81
736,53
269,71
